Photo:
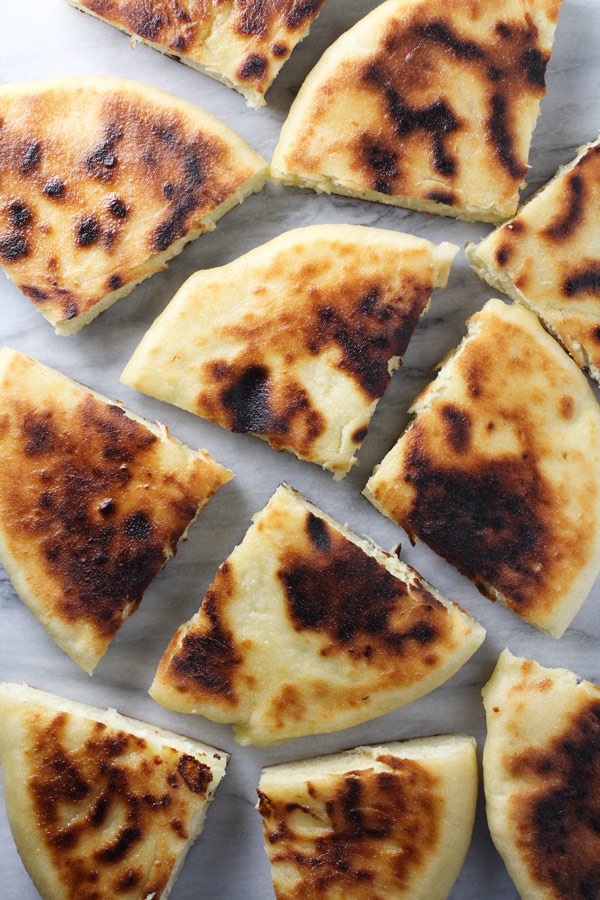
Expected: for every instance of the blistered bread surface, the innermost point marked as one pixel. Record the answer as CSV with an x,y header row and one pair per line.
x,y
425,105
391,821
296,340
92,503
541,759
103,179
306,629
100,805
548,257
498,472
241,42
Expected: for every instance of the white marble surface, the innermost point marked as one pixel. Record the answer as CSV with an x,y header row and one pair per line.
x,y
42,38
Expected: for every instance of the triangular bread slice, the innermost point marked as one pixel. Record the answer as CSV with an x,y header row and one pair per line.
x,y
309,628
548,257
296,340
393,821
100,805
93,501
427,104
540,768
242,44
499,469
103,181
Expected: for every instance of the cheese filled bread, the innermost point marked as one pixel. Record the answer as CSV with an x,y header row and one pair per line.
x,y
425,104
99,804
296,340
548,257
498,469
540,765
103,181
309,628
243,43
93,501
391,821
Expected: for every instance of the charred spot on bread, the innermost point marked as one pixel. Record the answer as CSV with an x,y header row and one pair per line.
x,y
106,186
491,523
363,610
584,281
362,810
207,660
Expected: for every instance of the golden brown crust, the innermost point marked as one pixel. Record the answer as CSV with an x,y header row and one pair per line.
x,y
548,257
92,502
208,659
333,590
376,635
401,808
241,42
555,823
498,471
101,810
118,791
93,202
296,340
541,761
414,137
374,822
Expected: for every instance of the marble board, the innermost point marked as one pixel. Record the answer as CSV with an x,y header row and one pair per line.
x,y
44,38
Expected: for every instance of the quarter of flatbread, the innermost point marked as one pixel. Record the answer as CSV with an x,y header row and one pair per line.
x,y
100,805
428,104
243,43
498,471
393,822
548,257
308,628
103,181
540,767
296,340
93,501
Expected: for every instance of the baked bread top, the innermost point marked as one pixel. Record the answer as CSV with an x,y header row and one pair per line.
x,y
548,257
540,767
243,43
392,821
93,501
100,805
103,181
308,628
428,105
498,471
296,340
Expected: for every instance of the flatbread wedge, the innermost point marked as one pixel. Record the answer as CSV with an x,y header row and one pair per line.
x,y
100,805
308,628
392,821
243,43
93,501
296,340
103,181
548,257
498,470
426,104
540,768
